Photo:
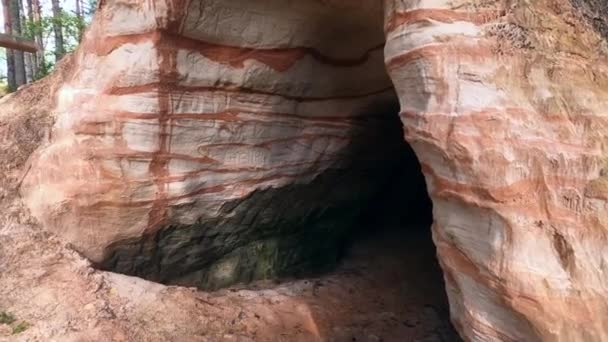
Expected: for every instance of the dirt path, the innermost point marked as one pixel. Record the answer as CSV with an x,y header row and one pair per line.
x,y
389,288
395,295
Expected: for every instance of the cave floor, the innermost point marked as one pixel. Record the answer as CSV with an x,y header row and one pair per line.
x,y
386,289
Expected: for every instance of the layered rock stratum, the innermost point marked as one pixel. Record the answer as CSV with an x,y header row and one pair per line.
x,y
209,141
505,105
220,157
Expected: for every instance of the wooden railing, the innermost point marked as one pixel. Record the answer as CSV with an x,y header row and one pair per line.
x,y
15,43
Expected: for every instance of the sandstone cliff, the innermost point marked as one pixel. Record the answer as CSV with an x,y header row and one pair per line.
x,y
217,134
504,104
248,152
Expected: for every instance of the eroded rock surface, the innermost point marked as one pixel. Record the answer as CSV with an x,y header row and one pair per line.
x,y
184,121
507,114
196,143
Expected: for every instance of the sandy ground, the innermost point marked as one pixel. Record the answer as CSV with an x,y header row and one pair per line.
x,y
387,289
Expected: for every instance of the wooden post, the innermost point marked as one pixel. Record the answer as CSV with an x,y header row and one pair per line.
x,y
11,42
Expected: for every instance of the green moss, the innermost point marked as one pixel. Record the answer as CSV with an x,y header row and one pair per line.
x,y
6,318
273,233
21,327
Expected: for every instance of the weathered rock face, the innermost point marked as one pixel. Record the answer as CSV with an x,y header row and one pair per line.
x,y
215,134
196,142
505,104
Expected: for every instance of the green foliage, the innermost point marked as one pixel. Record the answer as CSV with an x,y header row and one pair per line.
x,y
32,29
46,67
3,62
6,318
3,91
21,327
92,7
72,26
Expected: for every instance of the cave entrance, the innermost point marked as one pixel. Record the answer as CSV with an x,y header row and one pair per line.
x,y
386,284
390,258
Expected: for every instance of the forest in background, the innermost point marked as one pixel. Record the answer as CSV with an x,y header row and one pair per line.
x,y
55,25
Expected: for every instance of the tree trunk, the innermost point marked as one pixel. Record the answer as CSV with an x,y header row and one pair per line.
x,y
57,28
28,58
38,36
80,16
10,57
32,60
15,17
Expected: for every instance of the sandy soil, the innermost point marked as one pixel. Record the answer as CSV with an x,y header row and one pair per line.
x,y
387,289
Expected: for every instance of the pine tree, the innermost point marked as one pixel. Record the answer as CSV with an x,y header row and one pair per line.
x,y
10,56
58,30
36,21
80,17
19,60
29,58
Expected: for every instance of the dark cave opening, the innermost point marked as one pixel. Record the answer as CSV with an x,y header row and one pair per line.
x,y
389,255
393,241
402,203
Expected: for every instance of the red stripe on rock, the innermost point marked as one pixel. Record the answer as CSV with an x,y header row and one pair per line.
x,y
230,115
182,90
441,15
159,166
498,195
479,51
207,190
280,59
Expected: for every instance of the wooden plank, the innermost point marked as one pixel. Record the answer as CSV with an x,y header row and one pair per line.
x,y
11,42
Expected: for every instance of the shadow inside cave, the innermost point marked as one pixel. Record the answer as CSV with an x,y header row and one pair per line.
x,y
387,285
391,258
